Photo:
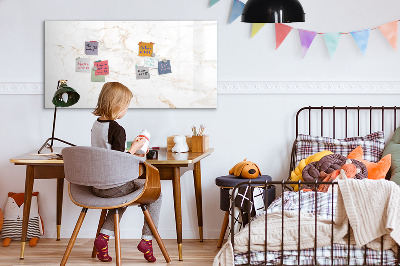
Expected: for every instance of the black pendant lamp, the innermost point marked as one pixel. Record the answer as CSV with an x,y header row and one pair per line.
x,y
273,11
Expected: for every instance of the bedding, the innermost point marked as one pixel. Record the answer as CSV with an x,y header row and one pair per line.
x,y
325,201
393,148
372,144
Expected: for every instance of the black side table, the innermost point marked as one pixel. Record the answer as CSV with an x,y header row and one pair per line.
x,y
226,183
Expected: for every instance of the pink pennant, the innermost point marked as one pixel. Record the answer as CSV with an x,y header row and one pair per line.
x,y
306,39
389,30
281,31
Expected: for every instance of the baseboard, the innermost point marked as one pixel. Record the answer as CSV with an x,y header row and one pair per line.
x,y
259,87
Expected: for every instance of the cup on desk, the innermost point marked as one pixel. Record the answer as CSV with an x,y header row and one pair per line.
x,y
152,155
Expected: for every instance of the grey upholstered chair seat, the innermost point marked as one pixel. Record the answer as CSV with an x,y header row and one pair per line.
x,y
83,196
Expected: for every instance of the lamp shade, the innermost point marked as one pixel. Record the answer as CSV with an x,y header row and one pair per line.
x,y
273,11
65,96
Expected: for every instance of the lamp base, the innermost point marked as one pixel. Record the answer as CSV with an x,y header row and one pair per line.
x,y
50,146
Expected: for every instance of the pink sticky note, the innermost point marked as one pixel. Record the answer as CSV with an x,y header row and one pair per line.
x,y
101,67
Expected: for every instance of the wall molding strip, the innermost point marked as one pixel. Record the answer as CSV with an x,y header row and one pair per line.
x,y
259,87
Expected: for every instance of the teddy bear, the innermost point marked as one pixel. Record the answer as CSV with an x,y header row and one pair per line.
x,y
245,169
13,215
180,144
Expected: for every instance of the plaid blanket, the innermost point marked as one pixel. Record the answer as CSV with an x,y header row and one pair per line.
x,y
323,205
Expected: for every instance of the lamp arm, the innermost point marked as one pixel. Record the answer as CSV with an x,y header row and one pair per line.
x,y
54,126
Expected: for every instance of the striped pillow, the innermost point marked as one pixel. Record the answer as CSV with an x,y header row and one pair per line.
x,y
372,145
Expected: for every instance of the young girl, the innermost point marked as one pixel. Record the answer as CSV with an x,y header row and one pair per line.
x,y
112,104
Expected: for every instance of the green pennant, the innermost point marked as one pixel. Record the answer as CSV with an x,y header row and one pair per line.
x,y
213,2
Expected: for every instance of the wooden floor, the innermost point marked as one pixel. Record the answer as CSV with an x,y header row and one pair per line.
x,y
50,252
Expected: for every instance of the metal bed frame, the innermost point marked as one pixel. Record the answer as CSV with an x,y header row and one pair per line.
x,y
284,183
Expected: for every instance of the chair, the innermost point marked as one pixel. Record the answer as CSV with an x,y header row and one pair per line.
x,y
85,167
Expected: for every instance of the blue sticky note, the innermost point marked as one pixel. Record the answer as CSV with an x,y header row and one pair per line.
x,y
164,68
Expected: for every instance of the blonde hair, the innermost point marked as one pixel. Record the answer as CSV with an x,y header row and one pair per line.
x,y
113,98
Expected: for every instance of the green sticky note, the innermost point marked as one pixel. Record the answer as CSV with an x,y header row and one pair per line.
x,y
99,78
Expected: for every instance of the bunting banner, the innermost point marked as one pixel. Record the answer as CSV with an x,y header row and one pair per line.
x,y
306,39
281,31
256,27
213,2
332,41
237,8
361,37
389,30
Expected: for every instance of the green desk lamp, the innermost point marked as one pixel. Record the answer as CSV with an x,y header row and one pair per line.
x,y
63,97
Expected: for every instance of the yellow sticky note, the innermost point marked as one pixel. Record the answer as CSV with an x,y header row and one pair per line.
x,y
146,48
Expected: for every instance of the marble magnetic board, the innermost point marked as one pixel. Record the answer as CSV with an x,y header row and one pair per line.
x,y
190,48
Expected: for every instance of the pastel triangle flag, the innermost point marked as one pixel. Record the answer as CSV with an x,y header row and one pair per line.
x,y
389,30
255,28
213,2
361,37
237,9
306,39
332,41
281,31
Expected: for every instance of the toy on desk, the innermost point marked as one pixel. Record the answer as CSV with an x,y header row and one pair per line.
x,y
13,215
180,144
245,169
144,134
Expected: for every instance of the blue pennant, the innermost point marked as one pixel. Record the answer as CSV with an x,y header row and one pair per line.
x,y
237,9
361,37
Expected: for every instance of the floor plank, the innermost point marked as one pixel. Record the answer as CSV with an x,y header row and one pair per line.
x,y
50,252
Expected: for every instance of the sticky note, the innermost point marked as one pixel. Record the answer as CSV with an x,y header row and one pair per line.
x,y
146,49
82,65
100,78
150,62
101,67
142,72
91,48
164,67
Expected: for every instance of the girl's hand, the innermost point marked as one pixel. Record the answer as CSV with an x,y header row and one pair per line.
x,y
142,155
137,144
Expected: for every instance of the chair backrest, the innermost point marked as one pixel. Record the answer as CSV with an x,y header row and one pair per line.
x,y
92,166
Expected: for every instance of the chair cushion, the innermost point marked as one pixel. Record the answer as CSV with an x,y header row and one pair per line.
x,y
83,196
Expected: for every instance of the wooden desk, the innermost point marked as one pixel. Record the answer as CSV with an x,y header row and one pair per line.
x,y
171,167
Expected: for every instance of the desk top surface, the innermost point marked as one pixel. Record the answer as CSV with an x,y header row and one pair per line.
x,y
164,157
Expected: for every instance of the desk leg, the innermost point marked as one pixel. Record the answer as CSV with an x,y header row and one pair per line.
x,y
176,183
27,206
60,190
199,204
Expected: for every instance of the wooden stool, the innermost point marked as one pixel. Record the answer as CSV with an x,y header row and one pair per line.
x,y
226,183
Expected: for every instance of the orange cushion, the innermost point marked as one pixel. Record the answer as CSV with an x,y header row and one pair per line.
x,y
375,170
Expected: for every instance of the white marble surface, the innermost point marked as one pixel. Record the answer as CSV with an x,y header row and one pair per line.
x,y
190,45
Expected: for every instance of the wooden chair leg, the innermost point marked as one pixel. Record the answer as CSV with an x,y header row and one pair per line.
x,y
117,238
154,230
101,222
73,237
223,229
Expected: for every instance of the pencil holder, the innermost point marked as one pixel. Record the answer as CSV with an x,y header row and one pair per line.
x,y
200,143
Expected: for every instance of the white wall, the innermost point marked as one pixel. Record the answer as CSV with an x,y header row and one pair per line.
x,y
259,127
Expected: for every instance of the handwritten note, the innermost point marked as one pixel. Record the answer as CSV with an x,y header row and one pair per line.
x,y
164,67
150,62
142,72
82,65
91,48
101,67
94,78
146,49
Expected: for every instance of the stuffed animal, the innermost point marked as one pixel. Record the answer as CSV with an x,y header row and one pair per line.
x,y
1,219
13,215
245,169
180,144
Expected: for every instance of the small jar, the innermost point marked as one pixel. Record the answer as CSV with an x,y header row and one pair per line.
x,y
144,134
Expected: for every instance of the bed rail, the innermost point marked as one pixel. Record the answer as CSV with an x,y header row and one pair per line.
x,y
265,185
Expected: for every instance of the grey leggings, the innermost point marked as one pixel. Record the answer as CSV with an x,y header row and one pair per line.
x,y
154,208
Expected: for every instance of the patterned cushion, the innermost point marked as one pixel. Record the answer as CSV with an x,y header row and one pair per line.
x,y
372,144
